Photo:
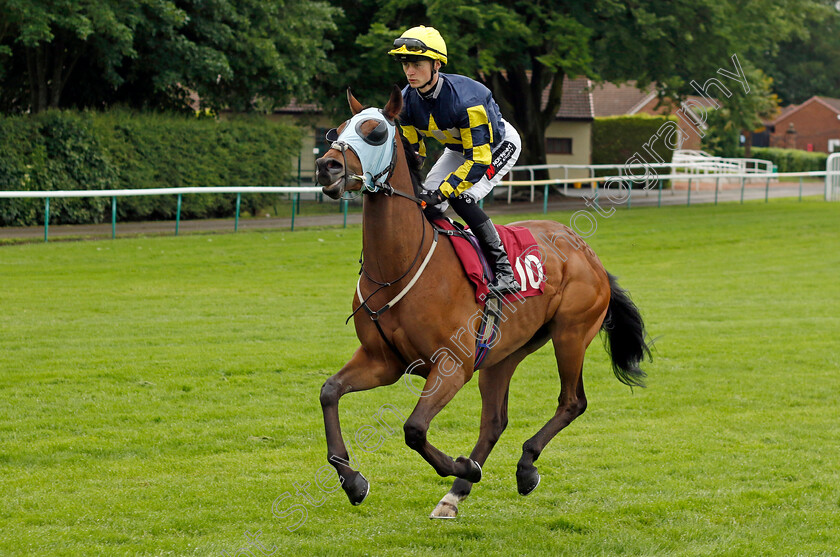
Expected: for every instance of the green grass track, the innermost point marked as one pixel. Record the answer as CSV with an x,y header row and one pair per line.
x,y
158,395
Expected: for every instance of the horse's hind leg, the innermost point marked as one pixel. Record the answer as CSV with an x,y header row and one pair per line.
x,y
569,349
494,384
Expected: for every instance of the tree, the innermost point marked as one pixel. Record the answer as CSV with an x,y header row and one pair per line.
x,y
807,63
742,112
242,54
523,50
48,37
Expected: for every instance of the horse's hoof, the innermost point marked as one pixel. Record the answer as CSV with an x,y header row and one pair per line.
x,y
474,474
357,490
444,510
447,508
527,481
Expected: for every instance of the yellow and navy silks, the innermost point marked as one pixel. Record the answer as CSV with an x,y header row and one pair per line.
x,y
464,117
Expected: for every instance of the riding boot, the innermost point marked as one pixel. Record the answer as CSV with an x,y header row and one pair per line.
x,y
495,252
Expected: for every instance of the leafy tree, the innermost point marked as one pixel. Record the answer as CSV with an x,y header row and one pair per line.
x,y
48,37
807,64
743,112
238,53
523,50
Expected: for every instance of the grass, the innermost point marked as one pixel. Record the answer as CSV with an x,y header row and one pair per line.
x,y
159,394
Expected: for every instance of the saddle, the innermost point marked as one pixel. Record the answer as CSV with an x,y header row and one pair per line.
x,y
524,256
522,250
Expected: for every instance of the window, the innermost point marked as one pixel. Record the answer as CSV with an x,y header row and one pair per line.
x,y
558,145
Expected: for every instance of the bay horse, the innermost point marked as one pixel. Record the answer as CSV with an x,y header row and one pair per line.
x,y
425,297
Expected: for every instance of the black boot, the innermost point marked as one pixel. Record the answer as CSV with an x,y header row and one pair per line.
x,y
495,252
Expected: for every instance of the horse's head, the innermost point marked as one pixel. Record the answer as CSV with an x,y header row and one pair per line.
x,y
362,149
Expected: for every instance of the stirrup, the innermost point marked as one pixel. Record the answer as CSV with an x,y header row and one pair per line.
x,y
505,284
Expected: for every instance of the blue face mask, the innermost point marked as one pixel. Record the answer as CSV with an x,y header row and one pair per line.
x,y
375,150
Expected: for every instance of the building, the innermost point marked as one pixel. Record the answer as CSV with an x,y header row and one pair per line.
x,y
811,126
568,138
610,99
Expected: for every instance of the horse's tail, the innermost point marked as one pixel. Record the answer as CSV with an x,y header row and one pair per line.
x,y
625,340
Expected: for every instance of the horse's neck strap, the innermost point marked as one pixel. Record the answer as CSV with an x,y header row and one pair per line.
x,y
374,315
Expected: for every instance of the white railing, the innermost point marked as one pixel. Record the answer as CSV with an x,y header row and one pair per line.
x,y
832,178
180,192
702,161
831,174
693,164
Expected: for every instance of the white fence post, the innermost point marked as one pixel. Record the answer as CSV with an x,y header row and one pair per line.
x,y
832,177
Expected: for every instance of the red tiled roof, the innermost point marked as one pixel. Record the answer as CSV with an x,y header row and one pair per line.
x,y
576,99
297,108
833,103
609,99
786,110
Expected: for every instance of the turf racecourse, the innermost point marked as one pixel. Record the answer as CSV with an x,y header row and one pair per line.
x,y
160,394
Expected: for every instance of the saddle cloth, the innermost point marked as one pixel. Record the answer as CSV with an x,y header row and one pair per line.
x,y
523,253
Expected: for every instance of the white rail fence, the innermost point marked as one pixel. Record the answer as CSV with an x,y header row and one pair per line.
x,y
634,184
832,178
695,163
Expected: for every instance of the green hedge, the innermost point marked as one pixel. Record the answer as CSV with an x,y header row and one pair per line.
x,y
790,160
62,150
617,138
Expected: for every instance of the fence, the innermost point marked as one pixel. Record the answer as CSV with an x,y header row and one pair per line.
x,y
692,162
832,178
831,174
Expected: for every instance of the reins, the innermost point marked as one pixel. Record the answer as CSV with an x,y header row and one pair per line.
x,y
389,191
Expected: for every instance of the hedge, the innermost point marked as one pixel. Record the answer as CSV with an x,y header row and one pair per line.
x,y
62,150
617,138
790,160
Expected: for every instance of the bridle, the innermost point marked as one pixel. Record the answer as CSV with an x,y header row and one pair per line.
x,y
377,169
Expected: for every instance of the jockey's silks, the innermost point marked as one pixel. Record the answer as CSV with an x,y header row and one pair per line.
x,y
461,114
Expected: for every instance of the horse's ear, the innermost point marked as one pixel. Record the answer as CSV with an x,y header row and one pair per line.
x,y
394,106
355,106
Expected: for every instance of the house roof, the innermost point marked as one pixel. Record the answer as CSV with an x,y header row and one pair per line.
x,y
833,103
576,100
298,108
609,99
575,103
828,102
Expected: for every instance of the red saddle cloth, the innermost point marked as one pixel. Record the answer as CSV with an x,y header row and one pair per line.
x,y
523,253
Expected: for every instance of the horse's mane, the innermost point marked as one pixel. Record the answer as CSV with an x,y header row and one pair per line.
x,y
414,162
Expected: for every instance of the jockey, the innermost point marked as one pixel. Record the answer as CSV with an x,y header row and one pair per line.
x,y
480,147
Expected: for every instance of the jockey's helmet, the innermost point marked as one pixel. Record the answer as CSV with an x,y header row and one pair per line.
x,y
419,43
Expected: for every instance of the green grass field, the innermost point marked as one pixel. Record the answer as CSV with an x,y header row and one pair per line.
x,y
159,394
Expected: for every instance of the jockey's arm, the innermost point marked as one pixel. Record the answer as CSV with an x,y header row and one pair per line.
x,y
415,140
476,137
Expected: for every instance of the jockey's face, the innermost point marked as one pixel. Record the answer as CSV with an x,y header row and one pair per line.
x,y
419,73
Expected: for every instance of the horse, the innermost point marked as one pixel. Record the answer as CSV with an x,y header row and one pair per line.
x,y
425,297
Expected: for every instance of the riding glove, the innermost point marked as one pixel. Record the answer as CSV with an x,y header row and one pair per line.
x,y
431,198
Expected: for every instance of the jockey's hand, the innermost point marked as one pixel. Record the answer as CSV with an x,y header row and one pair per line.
x,y
431,198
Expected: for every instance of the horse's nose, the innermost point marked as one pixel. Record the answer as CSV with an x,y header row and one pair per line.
x,y
329,166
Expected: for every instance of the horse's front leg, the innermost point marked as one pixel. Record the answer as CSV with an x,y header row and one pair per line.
x,y
361,373
441,386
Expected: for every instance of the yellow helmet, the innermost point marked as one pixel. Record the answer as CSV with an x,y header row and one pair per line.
x,y
418,43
